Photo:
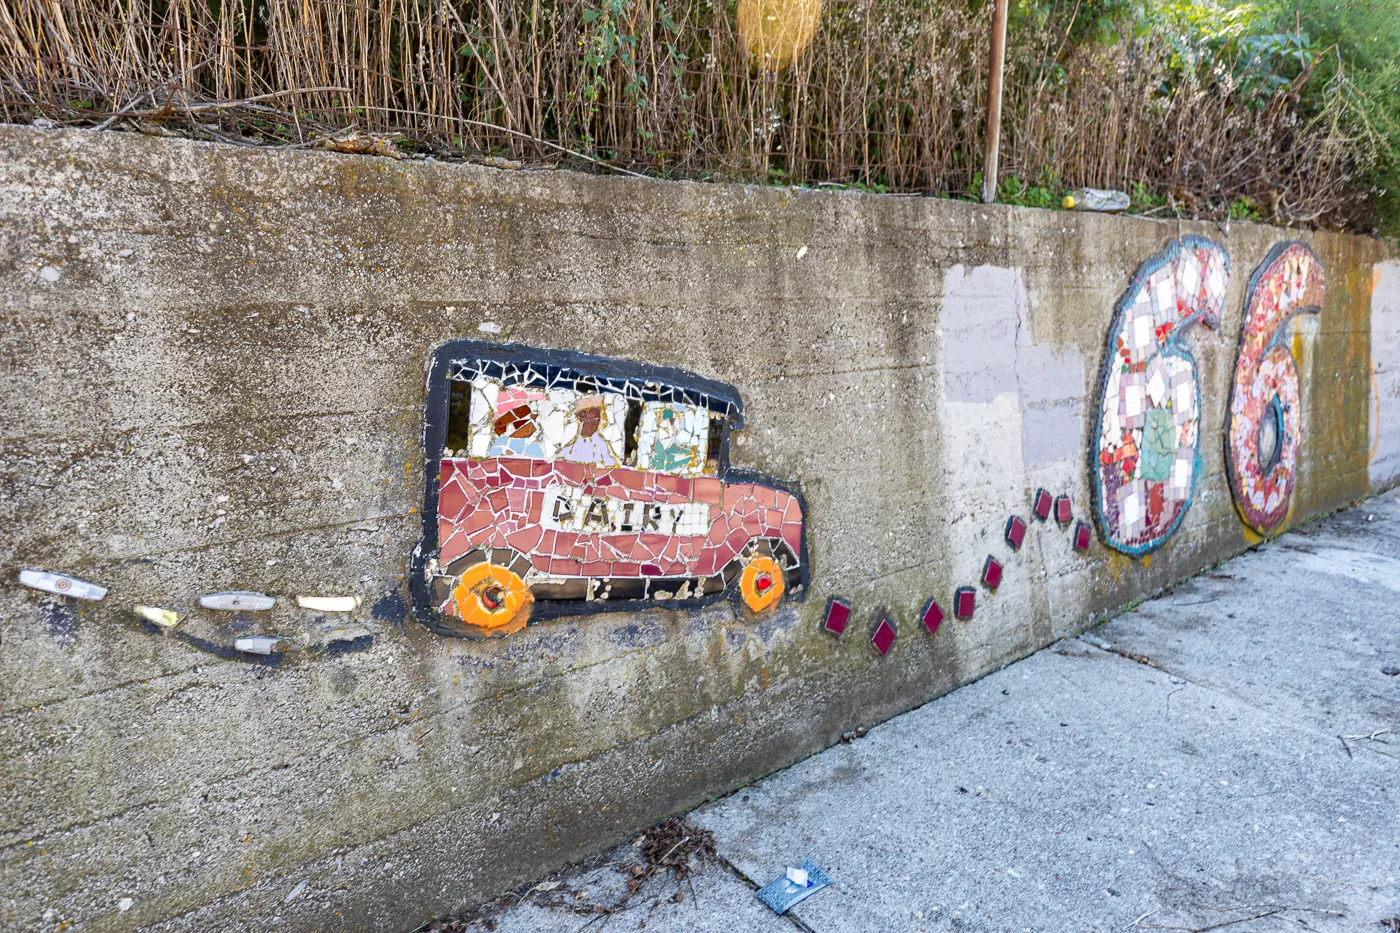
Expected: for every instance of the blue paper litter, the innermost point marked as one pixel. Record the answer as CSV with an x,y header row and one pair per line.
x,y
782,894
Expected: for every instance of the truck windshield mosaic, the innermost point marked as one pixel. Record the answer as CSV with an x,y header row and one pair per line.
x,y
562,483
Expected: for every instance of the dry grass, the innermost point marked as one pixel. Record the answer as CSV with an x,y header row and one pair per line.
x,y
889,94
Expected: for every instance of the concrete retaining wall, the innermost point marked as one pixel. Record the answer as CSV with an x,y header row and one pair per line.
x,y
214,379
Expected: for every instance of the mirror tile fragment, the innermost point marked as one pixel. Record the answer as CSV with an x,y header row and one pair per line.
x,y
61,584
237,601
964,602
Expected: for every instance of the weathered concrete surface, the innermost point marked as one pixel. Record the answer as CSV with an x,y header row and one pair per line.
x,y
215,360
1228,751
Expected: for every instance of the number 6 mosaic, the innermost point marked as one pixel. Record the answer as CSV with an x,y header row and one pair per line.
x,y
1143,463
564,483
1261,451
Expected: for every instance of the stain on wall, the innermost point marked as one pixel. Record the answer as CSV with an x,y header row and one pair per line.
x,y
1266,409
1144,460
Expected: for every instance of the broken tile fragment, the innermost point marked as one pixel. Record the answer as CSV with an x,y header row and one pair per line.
x,y
991,573
61,584
933,616
329,603
1042,504
259,644
837,613
1015,532
964,602
884,636
165,618
237,601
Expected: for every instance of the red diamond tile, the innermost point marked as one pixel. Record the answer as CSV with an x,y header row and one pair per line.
x,y
837,613
884,636
991,573
1015,532
964,602
1064,511
1042,504
1082,536
933,616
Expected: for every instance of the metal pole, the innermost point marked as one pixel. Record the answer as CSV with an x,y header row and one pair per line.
x,y
993,134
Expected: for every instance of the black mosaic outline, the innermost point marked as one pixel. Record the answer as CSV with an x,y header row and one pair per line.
x,y
435,436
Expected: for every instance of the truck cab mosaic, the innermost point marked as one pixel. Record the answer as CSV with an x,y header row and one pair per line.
x,y
562,483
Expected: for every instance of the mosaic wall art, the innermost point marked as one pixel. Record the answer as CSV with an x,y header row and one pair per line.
x,y
562,483
1265,428
1147,432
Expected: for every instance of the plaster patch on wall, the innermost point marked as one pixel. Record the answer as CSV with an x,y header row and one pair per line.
x,y
1385,375
983,312
1051,388
987,351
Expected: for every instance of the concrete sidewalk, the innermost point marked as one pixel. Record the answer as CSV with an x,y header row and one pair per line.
x,y
1226,756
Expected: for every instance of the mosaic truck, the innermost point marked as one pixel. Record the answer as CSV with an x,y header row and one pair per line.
x,y
561,483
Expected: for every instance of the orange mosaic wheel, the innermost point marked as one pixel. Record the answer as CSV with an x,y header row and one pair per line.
x,y
492,600
761,583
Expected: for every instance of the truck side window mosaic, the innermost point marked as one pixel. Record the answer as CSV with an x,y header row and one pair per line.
x,y
1266,416
561,483
1144,452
